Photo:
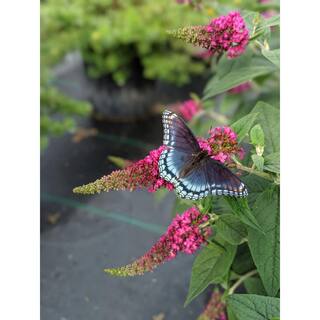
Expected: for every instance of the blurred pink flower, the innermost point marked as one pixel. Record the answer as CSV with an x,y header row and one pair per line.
x,y
204,54
215,309
184,234
188,109
268,13
241,88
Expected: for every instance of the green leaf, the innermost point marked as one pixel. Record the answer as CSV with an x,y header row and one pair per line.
x,y
243,262
241,209
118,161
272,162
271,22
273,56
210,266
254,285
251,19
258,161
243,125
231,229
269,119
238,73
230,313
257,135
254,307
265,248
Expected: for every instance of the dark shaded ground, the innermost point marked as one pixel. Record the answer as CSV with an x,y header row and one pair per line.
x,y
87,237
81,235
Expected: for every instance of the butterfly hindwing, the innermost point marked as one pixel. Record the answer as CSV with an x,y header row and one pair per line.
x,y
223,181
208,177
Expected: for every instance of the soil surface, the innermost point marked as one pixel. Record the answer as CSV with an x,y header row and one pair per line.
x,y
81,235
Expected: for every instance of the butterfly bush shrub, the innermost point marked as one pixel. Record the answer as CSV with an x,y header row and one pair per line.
x,y
236,122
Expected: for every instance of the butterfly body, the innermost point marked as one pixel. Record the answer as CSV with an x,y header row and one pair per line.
x,y
195,162
190,169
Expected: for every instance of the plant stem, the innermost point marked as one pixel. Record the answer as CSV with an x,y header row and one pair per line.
x,y
240,280
213,217
264,175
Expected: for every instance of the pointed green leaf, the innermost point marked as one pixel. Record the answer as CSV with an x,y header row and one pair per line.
x,y
257,135
241,209
243,125
251,19
272,162
230,313
258,161
271,22
269,119
265,248
210,266
273,56
254,285
237,75
231,229
243,262
254,307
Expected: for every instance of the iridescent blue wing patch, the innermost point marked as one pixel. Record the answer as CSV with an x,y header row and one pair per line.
x,y
206,177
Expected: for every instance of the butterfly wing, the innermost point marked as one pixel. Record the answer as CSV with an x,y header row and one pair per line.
x,y
181,145
176,134
223,181
209,177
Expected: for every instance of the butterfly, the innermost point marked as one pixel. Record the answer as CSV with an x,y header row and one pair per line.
x,y
194,174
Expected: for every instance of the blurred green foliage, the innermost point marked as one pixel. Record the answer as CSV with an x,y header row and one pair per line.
x,y
113,35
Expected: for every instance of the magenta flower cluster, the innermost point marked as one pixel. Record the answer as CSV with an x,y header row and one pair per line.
x,y
221,144
189,108
228,33
148,171
184,234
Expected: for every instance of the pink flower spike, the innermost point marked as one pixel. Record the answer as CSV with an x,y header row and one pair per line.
x,y
223,34
182,235
140,174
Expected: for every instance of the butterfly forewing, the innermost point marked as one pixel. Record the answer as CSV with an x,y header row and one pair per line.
x,y
176,134
206,177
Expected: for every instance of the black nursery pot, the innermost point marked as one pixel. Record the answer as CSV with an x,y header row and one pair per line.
x,y
137,99
129,102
